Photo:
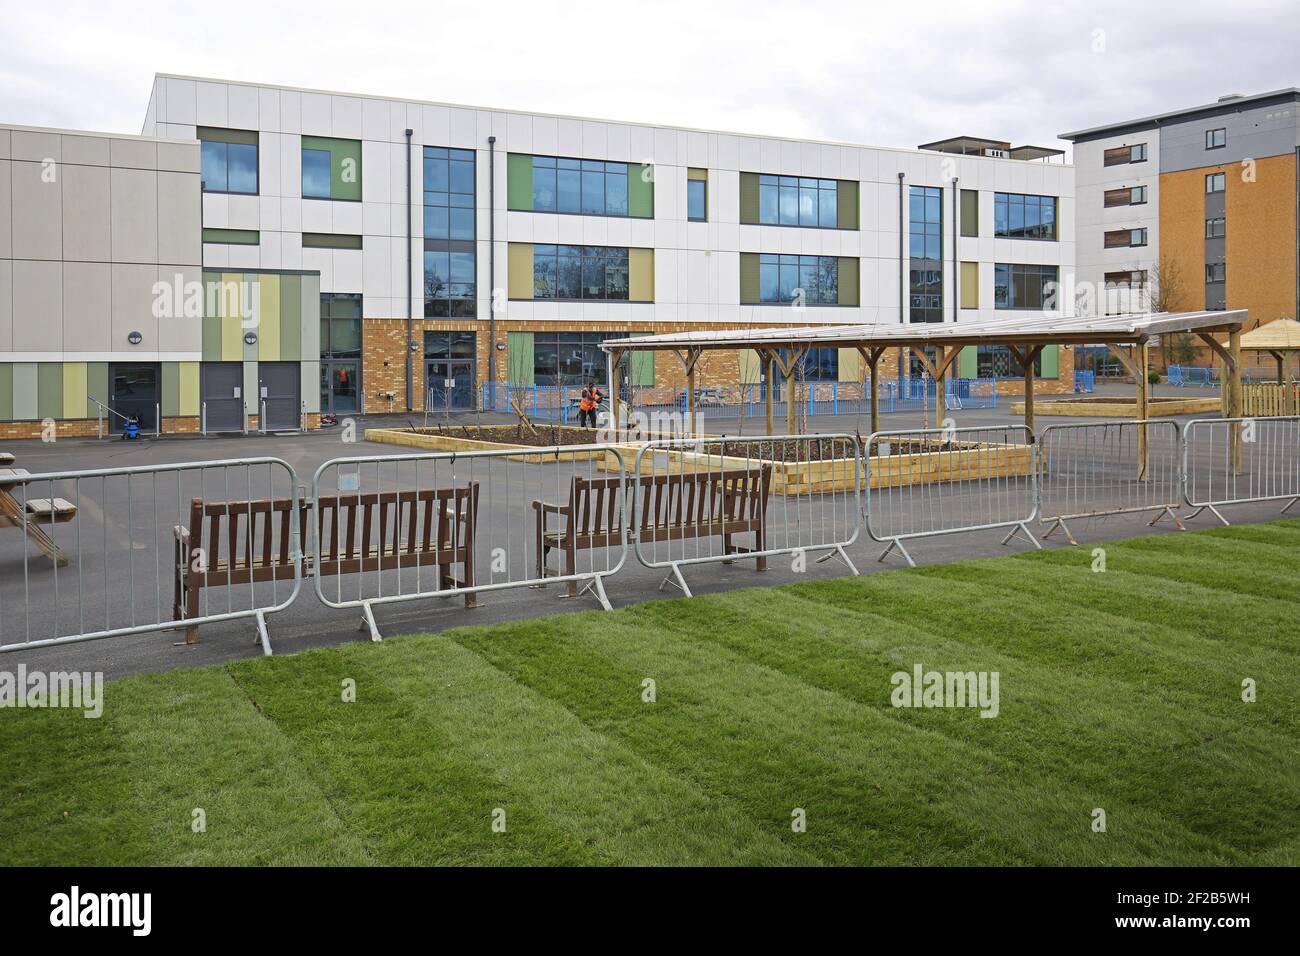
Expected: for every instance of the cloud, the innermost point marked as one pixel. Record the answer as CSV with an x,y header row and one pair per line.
x,y
888,75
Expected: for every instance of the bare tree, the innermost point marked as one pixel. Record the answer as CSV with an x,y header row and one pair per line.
x,y
1164,289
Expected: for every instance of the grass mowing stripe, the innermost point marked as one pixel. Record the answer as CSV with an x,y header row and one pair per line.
x,y
64,792
403,785
876,791
595,789
194,740
1188,624
1052,721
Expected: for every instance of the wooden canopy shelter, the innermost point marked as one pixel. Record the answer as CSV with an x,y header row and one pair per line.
x,y
1280,339
1128,337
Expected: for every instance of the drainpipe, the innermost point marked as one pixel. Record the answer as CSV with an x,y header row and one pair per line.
x,y
492,269
902,278
956,232
410,264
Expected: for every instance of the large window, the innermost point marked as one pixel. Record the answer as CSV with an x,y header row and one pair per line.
x,y
448,283
448,193
1017,286
450,264
591,187
813,280
340,325
1016,216
580,272
228,159
798,201
996,361
570,358
925,241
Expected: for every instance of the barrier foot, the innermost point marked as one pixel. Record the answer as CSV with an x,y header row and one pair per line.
x,y
1288,506
1059,523
674,576
262,634
368,622
1022,528
1212,510
842,555
897,544
597,587
1168,510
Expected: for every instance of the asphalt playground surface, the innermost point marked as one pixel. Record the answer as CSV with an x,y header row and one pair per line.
x,y
124,586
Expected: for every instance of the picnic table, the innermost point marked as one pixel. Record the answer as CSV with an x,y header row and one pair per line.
x,y
31,514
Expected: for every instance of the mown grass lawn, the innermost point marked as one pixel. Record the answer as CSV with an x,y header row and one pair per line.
x,y
1118,690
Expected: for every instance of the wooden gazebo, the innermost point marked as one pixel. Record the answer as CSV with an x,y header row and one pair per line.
x,y
1128,336
1280,339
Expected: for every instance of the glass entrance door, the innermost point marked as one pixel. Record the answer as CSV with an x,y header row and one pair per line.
x,y
450,384
133,391
339,393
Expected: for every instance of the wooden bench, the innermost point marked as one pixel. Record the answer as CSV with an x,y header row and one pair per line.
x,y
375,531
672,507
32,513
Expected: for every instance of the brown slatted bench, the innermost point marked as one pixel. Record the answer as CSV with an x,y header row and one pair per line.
x,y
672,507
376,531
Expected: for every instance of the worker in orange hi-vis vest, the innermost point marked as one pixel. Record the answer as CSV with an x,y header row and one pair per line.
x,y
588,400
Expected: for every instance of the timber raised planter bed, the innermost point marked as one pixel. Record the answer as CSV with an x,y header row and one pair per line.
x,y
1118,407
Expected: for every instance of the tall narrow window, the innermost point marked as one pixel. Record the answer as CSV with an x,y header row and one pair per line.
x,y
925,238
697,195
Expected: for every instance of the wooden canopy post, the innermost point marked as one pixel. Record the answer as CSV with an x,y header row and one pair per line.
x,y
786,366
1236,405
1137,367
612,358
1026,360
937,371
768,368
687,361
872,358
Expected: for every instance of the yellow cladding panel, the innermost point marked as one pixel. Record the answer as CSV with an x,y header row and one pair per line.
x,y
850,365
519,270
74,390
189,383
641,275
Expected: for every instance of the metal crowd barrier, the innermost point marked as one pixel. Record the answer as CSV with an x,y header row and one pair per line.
x,y
440,525
940,481
1240,460
116,551
721,500
1092,470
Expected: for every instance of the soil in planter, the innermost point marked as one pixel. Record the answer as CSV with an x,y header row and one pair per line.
x,y
545,436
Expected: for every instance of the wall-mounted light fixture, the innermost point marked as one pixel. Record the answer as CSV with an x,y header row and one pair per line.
x,y
135,338
250,338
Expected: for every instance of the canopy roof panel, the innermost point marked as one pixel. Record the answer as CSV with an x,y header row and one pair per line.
x,y
1047,330
1280,335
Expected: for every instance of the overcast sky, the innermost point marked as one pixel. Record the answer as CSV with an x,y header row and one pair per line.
x,y
887,74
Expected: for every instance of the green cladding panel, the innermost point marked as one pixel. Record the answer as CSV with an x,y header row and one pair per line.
x,y
171,389
1051,361
519,358
519,181
968,362
345,164
640,190
24,391
291,320
749,198
96,386
749,278
641,365
6,391
49,390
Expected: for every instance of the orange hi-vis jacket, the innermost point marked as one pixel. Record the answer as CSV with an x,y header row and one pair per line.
x,y
589,398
